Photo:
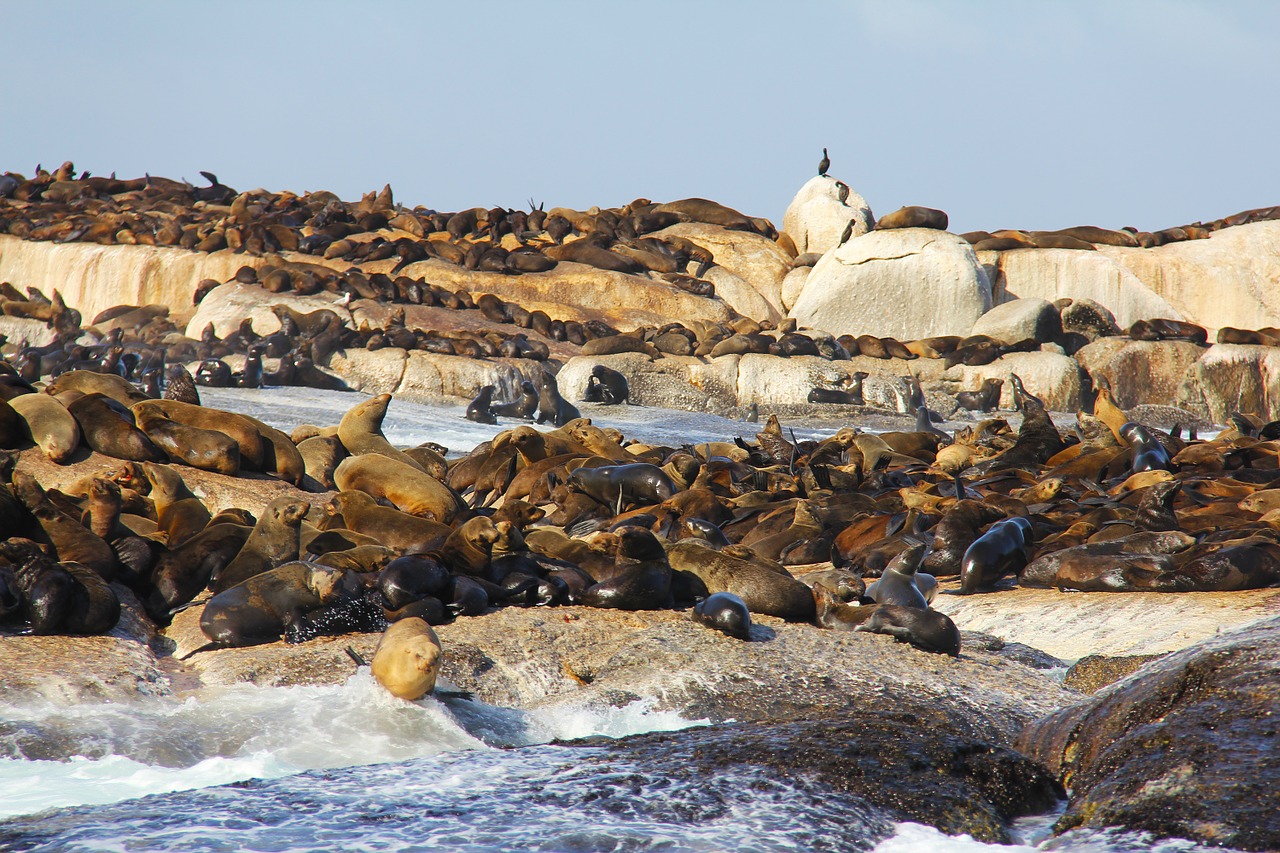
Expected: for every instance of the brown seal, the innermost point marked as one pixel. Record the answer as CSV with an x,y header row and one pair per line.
x,y
51,426
927,630
360,430
112,432
274,540
641,579
406,486
913,216
391,527
265,606
764,585
238,427
205,449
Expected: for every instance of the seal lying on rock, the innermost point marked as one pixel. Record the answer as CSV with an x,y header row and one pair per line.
x,y
407,659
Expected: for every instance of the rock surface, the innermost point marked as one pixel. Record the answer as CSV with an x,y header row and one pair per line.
x,y
1019,319
1185,747
931,279
1232,378
1053,377
816,218
752,258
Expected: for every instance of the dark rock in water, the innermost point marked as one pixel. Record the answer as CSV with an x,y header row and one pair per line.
x,y
1094,672
930,767
1186,748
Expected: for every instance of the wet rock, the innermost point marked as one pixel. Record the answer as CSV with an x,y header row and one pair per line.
x,y
906,283
1232,378
1094,672
1141,372
913,761
66,670
1185,747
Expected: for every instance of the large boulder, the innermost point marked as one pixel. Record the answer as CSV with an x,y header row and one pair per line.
x,y
1057,273
1051,376
793,285
227,305
1185,747
1140,372
1229,279
92,277
816,218
680,382
906,283
753,258
1234,378
1011,322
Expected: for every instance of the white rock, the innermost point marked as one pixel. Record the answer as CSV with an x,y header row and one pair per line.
x,y
679,382
1055,273
816,218
1231,279
1020,319
906,283
1054,378
755,259
793,284
227,305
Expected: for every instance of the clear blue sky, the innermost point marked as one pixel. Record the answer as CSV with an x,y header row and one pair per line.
x,y
1019,114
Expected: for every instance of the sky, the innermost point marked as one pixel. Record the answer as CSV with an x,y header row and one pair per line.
x,y
1033,114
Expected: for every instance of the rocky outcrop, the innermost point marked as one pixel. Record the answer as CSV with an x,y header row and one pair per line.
x,y
1140,372
427,377
226,306
93,277
1020,319
752,258
816,218
1230,378
792,286
1053,377
1185,747
1057,273
1230,279
906,283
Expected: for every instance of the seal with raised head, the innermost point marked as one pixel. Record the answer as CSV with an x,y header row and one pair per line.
x,y
360,430
274,540
641,579
985,399
901,583
522,407
407,659
725,612
479,409
551,406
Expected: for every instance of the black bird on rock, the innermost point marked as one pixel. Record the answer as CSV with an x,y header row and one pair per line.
x,y
824,164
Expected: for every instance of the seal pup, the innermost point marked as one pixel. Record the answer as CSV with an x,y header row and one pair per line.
x,y
407,659
1148,453
901,584
985,399
479,410
725,612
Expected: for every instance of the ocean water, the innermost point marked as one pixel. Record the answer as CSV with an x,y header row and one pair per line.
x,y
351,768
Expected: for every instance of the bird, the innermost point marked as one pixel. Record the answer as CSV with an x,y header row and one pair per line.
x,y
824,164
848,232
842,192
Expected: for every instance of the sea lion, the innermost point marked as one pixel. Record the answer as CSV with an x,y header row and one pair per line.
x,y
1148,453
901,584
764,585
955,532
479,410
87,382
913,217
360,430
1002,550
263,607
205,449
185,569
834,614
112,432
391,527
636,483
985,399
407,659
725,612
606,386
408,487
411,578
551,406
239,427
320,457
62,597
274,540
641,579
927,630
522,407
52,427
